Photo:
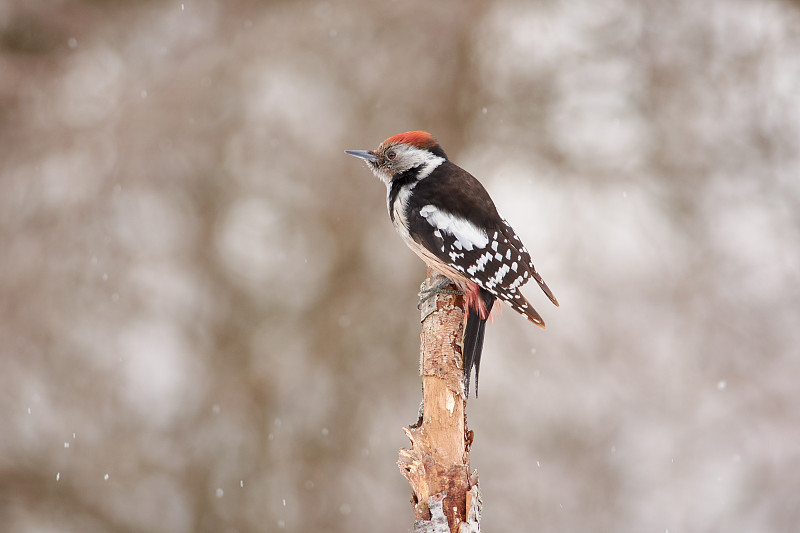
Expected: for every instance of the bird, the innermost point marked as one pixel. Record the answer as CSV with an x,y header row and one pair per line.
x,y
446,216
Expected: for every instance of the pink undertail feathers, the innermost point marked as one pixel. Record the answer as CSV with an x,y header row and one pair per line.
x,y
473,300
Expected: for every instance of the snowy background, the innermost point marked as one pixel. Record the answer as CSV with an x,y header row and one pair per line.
x,y
207,323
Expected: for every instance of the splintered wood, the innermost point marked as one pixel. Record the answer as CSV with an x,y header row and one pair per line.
x,y
437,465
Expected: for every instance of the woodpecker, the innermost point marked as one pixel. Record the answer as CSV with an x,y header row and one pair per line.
x,y
448,219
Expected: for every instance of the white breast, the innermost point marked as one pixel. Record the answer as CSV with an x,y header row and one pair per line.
x,y
399,219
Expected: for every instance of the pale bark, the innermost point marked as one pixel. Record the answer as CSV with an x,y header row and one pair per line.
x,y
445,495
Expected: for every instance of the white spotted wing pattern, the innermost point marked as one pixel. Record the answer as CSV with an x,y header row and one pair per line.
x,y
497,262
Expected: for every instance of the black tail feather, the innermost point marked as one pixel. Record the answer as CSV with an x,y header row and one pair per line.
x,y
471,334
474,331
478,351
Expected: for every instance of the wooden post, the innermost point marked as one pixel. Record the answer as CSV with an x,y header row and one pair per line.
x,y
446,496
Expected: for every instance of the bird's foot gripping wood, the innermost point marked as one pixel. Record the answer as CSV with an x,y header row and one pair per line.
x,y
426,294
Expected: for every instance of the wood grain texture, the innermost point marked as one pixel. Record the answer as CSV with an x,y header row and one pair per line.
x,y
437,464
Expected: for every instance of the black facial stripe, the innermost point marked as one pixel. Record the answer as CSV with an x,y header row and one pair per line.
x,y
403,179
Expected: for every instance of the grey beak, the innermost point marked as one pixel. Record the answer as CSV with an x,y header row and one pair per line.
x,y
362,154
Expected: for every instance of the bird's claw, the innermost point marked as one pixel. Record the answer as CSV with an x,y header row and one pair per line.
x,y
426,294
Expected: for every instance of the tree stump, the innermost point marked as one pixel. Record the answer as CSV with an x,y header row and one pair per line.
x,y
446,496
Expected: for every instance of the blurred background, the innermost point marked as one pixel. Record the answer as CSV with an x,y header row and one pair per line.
x,y
209,324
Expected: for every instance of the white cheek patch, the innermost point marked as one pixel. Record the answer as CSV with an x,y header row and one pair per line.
x,y
411,156
468,236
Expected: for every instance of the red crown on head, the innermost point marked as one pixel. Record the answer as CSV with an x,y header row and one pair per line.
x,y
420,139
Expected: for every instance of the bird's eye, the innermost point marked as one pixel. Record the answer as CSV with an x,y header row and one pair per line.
x,y
390,155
